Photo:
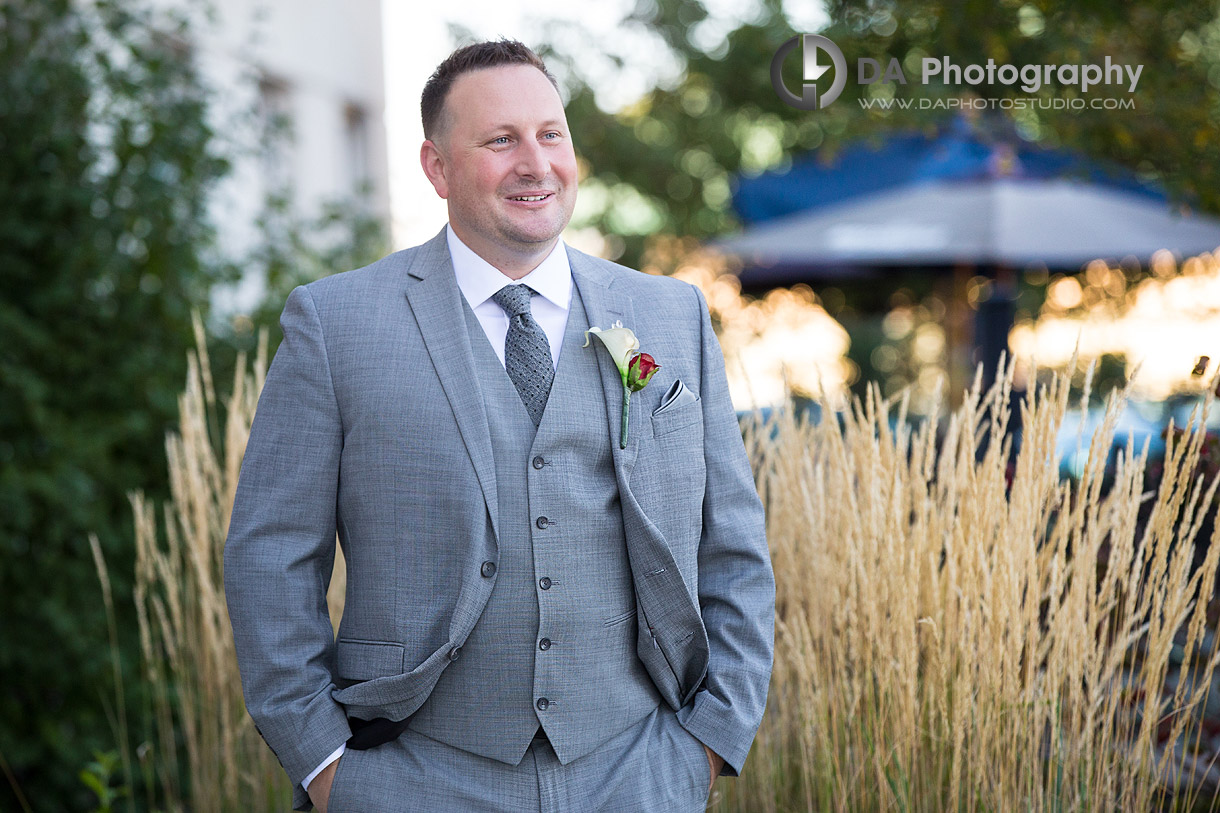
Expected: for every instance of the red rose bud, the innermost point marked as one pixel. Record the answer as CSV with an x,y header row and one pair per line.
x,y
640,370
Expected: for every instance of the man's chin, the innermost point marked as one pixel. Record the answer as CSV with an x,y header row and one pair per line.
x,y
534,239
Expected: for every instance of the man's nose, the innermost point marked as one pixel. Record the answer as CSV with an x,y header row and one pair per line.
x,y
532,161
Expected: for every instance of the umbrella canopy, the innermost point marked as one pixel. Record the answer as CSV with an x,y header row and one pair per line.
x,y
991,221
972,195
964,148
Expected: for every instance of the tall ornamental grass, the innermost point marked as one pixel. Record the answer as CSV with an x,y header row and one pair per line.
x,y
203,750
955,632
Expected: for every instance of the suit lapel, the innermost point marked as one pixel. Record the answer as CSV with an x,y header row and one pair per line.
x,y
435,299
670,616
604,306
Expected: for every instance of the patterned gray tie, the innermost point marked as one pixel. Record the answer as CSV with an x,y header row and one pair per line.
x,y
527,351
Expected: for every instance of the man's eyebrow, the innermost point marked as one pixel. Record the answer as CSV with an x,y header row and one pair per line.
x,y
513,127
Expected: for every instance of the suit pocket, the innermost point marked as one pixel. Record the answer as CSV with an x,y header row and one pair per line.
x,y
338,802
673,417
358,660
703,768
691,752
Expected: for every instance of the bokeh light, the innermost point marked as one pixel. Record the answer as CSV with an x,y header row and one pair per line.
x,y
782,344
1159,323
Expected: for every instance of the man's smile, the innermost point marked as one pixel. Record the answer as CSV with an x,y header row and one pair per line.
x,y
531,198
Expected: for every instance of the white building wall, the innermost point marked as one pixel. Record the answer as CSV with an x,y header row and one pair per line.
x,y
323,60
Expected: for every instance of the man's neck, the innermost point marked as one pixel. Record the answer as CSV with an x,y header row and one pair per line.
x,y
513,265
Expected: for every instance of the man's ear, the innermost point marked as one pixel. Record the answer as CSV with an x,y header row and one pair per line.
x,y
433,163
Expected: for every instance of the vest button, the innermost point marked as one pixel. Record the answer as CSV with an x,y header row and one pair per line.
x,y
453,653
545,583
544,644
539,462
541,523
542,703
488,570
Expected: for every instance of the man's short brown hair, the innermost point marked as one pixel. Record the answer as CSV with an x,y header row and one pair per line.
x,y
475,57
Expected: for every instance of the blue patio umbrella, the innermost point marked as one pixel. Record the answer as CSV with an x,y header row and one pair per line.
x,y
1007,221
968,197
964,196
963,150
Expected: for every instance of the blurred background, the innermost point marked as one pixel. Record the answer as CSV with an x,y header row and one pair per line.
x,y
165,157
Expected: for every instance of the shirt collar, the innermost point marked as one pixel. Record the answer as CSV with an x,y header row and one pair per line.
x,y
479,280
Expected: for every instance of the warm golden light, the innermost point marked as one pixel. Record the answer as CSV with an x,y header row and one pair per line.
x,y
1162,323
784,343
1065,293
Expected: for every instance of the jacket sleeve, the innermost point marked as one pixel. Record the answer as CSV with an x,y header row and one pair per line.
x,y
736,583
280,550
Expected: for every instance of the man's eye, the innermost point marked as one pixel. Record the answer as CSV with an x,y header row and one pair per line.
x,y
551,136
501,140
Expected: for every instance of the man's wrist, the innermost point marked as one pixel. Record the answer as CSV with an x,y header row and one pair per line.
x,y
338,752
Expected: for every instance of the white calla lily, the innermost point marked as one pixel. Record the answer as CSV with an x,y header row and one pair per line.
x,y
621,343
623,347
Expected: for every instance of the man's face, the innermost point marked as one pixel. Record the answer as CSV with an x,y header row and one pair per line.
x,y
503,160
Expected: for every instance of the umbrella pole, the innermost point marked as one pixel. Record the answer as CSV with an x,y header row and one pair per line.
x,y
959,332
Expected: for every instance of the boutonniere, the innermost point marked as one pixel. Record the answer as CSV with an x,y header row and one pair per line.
x,y
634,367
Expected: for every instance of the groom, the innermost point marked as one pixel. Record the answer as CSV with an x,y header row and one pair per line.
x,y
543,613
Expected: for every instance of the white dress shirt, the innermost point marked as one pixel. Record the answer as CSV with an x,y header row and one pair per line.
x,y
479,280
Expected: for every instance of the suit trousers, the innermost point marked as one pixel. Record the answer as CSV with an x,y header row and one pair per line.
x,y
654,766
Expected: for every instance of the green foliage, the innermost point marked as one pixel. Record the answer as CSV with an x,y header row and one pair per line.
x,y
1176,108
107,164
664,164
674,152
106,247
99,776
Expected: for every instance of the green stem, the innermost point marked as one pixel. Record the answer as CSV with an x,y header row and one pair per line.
x,y
622,439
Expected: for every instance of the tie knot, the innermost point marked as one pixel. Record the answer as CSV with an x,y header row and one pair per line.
x,y
515,299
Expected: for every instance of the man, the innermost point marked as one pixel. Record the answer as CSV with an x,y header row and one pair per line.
x,y
542,613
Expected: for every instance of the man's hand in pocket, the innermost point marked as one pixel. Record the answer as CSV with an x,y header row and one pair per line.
x,y
714,762
319,788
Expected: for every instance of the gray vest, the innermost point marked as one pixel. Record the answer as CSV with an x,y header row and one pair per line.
x,y
556,644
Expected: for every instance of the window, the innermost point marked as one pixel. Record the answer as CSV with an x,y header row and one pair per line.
x,y
356,133
275,121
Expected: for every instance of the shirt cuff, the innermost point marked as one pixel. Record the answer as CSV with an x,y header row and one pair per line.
x,y
313,775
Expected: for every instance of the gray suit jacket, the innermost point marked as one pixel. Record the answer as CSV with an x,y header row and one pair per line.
x,y
367,427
